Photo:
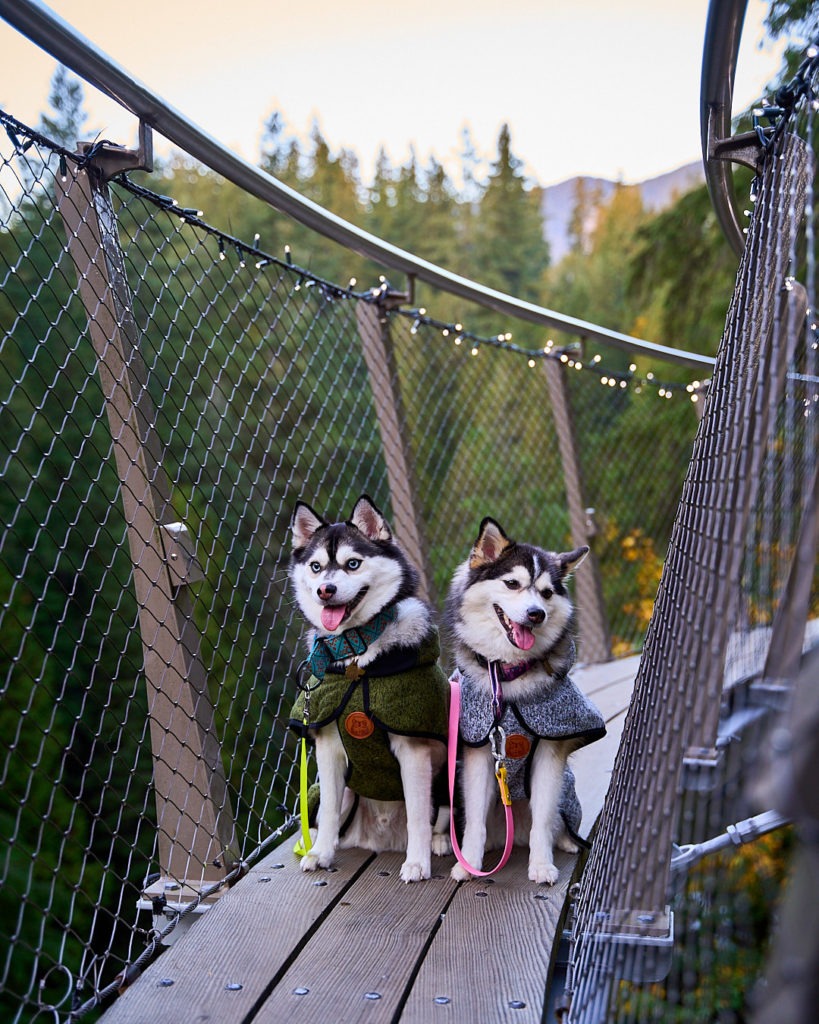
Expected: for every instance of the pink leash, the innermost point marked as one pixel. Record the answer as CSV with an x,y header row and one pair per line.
x,y
498,752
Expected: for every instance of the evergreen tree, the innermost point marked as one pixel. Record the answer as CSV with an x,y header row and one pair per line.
x,y
680,274
66,124
511,252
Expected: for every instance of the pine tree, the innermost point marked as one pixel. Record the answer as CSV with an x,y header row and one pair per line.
x,y
66,125
511,252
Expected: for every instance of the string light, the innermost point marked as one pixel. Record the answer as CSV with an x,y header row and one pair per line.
x,y
568,356
502,340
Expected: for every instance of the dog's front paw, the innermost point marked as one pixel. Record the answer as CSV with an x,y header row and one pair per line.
x,y
542,871
459,873
413,872
309,862
441,844
316,859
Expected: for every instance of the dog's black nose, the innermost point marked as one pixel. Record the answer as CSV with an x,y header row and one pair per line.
x,y
535,615
326,591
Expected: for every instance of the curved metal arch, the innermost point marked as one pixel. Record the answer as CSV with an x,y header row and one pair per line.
x,y
48,31
723,33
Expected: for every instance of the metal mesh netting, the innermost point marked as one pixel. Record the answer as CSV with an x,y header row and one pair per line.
x,y
675,912
246,386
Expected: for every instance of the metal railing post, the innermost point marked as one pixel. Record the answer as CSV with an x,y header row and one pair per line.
x,y
374,330
194,817
595,643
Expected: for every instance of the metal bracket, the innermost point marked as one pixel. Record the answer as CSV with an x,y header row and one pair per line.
x,y
111,160
742,149
634,944
391,299
170,900
770,694
180,554
699,768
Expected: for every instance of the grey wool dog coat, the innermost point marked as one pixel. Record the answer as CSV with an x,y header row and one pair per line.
x,y
560,711
404,691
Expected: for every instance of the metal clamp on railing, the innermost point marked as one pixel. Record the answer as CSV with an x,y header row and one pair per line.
x,y
635,945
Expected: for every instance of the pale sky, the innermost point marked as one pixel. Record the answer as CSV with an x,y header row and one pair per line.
x,y
594,87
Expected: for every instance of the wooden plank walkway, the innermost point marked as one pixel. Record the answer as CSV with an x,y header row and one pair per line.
x,y
357,944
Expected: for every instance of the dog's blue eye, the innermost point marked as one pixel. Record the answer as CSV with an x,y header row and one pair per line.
x,y
315,566
353,563
512,584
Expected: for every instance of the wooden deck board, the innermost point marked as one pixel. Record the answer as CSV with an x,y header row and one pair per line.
x,y
490,957
455,952
243,939
609,686
359,968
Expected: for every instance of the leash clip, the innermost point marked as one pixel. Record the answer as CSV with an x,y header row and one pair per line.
x,y
497,743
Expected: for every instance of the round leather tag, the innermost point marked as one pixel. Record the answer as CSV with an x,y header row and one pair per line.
x,y
517,746
358,725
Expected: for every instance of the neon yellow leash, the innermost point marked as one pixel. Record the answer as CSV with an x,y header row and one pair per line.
x,y
304,844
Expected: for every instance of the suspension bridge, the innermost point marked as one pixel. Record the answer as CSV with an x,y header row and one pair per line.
x,y
161,383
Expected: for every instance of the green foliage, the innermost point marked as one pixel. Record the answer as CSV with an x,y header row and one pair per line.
x,y
261,396
724,920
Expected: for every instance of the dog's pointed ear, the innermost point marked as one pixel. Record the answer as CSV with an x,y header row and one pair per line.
x,y
490,545
368,518
304,524
570,560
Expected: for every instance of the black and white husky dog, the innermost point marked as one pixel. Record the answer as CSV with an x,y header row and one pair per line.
x,y
511,622
377,701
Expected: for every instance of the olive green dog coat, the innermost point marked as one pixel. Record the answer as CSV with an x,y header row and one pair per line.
x,y
403,691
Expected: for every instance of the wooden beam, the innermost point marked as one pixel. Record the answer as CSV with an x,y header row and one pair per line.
x,y
407,520
196,840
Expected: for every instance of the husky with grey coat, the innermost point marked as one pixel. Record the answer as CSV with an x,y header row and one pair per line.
x,y
377,706
511,619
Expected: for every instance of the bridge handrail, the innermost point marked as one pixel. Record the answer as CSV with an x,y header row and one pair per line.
x,y
40,24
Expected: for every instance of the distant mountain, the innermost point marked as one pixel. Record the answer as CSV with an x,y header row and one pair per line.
x,y
558,201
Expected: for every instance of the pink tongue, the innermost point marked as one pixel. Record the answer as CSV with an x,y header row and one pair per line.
x,y
522,636
331,616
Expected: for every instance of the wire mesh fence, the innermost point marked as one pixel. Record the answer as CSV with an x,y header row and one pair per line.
x,y
675,912
206,385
